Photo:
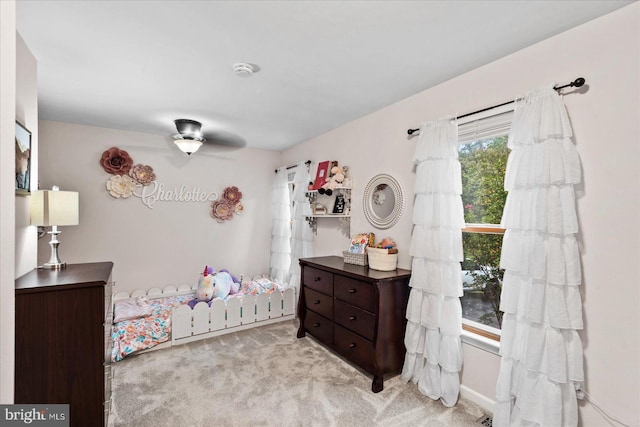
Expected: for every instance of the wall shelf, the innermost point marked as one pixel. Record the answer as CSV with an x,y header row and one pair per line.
x,y
328,202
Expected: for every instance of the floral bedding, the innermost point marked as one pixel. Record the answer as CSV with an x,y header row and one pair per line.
x,y
142,333
145,332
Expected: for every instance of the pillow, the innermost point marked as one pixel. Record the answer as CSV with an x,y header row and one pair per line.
x,y
132,308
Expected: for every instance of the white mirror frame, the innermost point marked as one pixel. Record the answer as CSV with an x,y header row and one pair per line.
x,y
367,200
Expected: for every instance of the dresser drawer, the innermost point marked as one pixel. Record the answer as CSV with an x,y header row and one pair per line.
x,y
360,294
318,302
319,327
354,319
353,347
318,279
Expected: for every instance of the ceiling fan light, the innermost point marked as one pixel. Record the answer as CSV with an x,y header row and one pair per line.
x,y
188,146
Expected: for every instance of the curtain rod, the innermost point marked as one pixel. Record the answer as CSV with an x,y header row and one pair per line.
x,y
308,162
576,83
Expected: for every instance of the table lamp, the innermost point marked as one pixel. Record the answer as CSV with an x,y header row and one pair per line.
x,y
54,208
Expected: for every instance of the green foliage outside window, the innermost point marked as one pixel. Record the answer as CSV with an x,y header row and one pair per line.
x,y
483,197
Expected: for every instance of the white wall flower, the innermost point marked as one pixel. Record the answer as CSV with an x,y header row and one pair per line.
x,y
121,186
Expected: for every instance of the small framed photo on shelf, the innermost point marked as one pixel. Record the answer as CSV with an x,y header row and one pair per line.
x,y
338,207
23,160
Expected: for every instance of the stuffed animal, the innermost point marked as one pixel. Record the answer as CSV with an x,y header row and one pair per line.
x,y
336,177
216,285
205,286
235,282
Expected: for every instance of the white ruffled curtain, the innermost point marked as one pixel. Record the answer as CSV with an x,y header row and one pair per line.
x,y
281,228
541,371
434,351
302,234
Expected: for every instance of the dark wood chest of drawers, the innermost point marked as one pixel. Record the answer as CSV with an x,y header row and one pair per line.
x,y
63,340
356,311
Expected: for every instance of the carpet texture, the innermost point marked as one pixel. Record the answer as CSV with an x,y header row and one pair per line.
x,y
266,377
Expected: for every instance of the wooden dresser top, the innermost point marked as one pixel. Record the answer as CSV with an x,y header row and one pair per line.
x,y
337,265
74,275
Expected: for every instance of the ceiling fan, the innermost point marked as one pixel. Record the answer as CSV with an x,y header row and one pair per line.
x,y
189,137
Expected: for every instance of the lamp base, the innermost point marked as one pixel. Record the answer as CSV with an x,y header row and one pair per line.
x,y
54,261
54,265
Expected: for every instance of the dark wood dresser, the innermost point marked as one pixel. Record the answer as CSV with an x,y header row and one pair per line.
x,y
63,335
356,311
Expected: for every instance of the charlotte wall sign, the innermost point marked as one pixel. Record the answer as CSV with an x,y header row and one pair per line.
x,y
129,179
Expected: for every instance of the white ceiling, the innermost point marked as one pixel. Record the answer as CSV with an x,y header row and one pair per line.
x,y
138,65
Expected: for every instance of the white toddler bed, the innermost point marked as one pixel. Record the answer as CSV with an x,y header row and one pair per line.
x,y
217,318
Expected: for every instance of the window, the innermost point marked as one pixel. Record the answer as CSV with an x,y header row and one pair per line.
x,y
483,158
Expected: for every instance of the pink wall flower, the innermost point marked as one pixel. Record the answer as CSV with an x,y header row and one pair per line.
x,y
222,210
143,174
116,161
232,194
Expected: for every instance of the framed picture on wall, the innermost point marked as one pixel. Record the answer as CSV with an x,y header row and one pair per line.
x,y
23,160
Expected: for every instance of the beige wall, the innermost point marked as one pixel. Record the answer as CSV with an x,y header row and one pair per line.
x,y
605,119
7,195
18,250
27,114
171,243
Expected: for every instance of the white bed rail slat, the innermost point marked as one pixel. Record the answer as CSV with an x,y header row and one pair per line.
x,y
248,309
201,318
262,307
234,312
218,315
121,295
181,326
275,305
138,293
183,288
155,292
289,302
169,290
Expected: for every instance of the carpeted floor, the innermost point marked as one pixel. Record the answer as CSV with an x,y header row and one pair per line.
x,y
266,377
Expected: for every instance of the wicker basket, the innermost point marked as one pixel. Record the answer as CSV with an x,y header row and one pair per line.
x,y
381,259
358,259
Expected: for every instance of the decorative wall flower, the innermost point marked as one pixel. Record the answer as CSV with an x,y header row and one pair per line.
x,y
116,161
142,174
232,194
222,210
121,186
239,208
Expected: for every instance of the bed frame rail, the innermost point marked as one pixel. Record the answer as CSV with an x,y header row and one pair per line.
x,y
235,314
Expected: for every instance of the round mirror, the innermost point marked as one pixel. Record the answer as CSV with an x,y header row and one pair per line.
x,y
383,201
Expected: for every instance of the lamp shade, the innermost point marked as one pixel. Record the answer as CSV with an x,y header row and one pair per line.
x,y
188,145
54,208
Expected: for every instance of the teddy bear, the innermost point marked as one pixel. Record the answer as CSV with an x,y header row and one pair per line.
x,y
336,177
216,285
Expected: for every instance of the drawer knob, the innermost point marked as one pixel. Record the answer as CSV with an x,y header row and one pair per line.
x,y
352,317
352,291
352,345
317,301
316,279
315,325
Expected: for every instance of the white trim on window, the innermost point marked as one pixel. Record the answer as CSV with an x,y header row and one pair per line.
x,y
488,124
479,341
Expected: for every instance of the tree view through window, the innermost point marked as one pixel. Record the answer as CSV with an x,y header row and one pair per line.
x,y
483,165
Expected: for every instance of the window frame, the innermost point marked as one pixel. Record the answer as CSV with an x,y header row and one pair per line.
x,y
475,333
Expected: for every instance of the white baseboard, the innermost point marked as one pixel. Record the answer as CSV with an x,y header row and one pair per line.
x,y
479,399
